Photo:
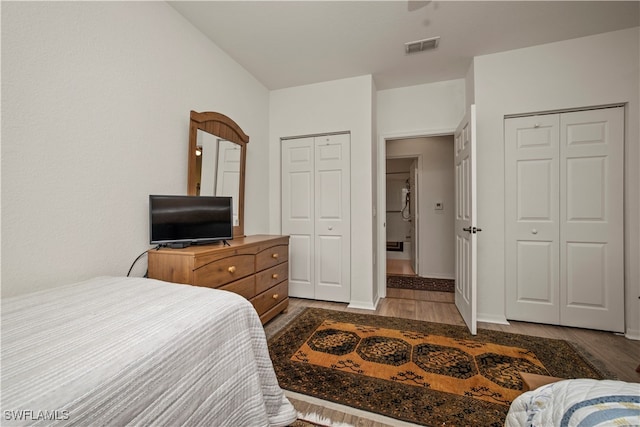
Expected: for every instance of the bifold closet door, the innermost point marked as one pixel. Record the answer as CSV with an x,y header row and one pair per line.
x,y
298,213
532,209
564,218
316,215
592,219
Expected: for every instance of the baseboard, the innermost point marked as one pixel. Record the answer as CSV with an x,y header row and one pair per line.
x,y
361,305
437,276
632,334
492,318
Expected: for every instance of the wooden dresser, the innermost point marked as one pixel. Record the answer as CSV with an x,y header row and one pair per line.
x,y
255,267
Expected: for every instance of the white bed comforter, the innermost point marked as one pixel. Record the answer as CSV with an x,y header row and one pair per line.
x,y
580,402
133,351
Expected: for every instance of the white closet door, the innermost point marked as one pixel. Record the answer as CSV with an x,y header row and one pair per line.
x,y
298,189
316,214
564,207
531,222
591,219
332,218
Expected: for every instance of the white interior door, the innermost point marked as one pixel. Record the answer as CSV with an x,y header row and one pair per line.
x,y
316,214
466,227
531,218
298,189
228,179
592,218
332,218
415,217
208,144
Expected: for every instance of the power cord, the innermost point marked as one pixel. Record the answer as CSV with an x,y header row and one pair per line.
x,y
138,258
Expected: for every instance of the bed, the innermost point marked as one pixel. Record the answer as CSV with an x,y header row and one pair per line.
x,y
577,402
135,351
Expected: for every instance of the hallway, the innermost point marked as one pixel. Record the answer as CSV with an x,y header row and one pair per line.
x,y
399,267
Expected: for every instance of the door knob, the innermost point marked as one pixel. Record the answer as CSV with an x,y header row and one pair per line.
x,y
330,228
534,231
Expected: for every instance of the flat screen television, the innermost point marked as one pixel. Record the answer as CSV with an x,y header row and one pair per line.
x,y
180,221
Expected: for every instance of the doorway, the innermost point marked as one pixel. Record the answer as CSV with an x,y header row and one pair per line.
x,y
401,216
421,168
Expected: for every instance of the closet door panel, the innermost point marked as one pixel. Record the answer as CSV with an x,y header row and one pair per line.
x,y
592,218
330,256
586,271
298,186
531,218
332,217
535,267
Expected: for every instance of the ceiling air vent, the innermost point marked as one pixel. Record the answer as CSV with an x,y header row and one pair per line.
x,y
421,45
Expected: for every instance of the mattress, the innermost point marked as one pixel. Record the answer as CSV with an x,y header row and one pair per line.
x,y
579,402
134,351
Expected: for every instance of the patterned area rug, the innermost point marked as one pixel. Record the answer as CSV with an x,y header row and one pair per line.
x,y
421,283
425,373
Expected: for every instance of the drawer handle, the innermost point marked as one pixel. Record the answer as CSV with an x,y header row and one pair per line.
x,y
232,269
274,256
274,276
275,296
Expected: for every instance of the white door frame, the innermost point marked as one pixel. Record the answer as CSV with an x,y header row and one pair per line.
x,y
381,208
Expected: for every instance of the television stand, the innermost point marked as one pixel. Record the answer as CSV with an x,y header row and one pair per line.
x,y
225,243
255,267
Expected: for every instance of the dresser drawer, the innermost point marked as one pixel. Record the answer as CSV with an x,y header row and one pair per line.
x,y
272,256
271,297
245,287
269,278
224,271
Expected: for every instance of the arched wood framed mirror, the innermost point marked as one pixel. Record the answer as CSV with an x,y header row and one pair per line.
x,y
217,160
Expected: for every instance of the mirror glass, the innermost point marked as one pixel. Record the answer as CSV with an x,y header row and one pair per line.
x,y
218,166
217,156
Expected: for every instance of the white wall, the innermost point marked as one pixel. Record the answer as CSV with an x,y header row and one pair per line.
x,y
95,117
436,227
589,71
340,105
423,109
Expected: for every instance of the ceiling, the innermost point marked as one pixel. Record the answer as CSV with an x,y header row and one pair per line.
x,y
292,43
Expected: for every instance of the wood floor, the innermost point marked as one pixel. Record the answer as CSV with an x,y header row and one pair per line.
x,y
613,352
400,267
